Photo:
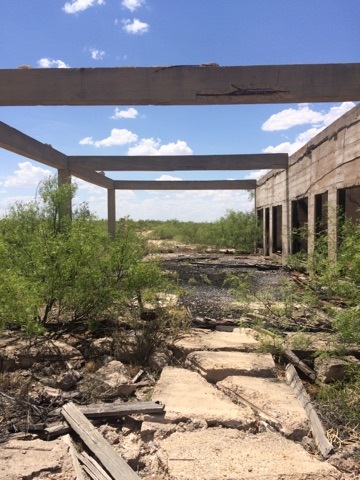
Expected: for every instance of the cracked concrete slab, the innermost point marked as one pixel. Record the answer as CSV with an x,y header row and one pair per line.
x,y
21,459
216,366
272,397
239,340
217,454
186,395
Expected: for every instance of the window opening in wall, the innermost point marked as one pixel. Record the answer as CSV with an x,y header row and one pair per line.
x,y
267,232
348,203
321,220
277,229
260,221
299,221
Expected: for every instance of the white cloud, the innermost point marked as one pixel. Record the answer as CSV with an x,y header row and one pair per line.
x,y
129,113
49,63
319,120
81,5
150,146
167,178
135,27
97,54
28,175
256,174
132,5
290,118
117,137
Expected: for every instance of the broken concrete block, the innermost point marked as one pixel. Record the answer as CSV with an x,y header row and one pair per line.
x,y
333,369
272,397
215,366
113,379
231,454
240,340
187,396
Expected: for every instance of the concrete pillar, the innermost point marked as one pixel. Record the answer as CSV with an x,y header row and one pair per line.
x,y
64,178
332,222
111,212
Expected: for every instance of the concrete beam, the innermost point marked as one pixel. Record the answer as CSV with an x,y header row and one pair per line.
x,y
180,163
17,142
185,185
181,85
21,144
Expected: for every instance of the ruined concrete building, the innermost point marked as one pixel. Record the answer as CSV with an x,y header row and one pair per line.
x,y
306,200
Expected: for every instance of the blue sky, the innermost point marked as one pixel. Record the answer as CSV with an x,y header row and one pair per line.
x,y
108,33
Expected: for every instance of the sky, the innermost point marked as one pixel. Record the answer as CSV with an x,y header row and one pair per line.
x,y
117,33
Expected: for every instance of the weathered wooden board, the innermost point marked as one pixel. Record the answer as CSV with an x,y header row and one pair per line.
x,y
111,460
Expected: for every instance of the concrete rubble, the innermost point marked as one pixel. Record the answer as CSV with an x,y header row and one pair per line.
x,y
227,416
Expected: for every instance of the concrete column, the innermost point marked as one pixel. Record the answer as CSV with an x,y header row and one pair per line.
x,y
111,212
332,222
64,178
311,224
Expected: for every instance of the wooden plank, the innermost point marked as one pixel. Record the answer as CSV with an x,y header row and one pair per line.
x,y
180,163
78,471
112,461
17,142
317,428
92,467
185,185
181,85
295,360
118,410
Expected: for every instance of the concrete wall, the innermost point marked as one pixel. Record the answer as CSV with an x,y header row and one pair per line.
x,y
328,163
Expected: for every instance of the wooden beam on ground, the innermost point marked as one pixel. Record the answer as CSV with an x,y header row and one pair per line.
x,y
111,460
321,440
207,84
180,163
119,410
17,142
185,185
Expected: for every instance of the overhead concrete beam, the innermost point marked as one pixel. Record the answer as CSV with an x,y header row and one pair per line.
x,y
180,163
181,85
185,185
21,144
17,142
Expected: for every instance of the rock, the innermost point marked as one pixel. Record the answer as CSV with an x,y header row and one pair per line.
x,y
102,346
159,359
273,397
215,366
19,353
347,459
187,396
113,380
332,369
68,380
231,454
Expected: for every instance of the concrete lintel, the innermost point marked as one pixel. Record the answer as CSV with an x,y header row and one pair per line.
x,y
181,85
17,142
185,185
180,162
